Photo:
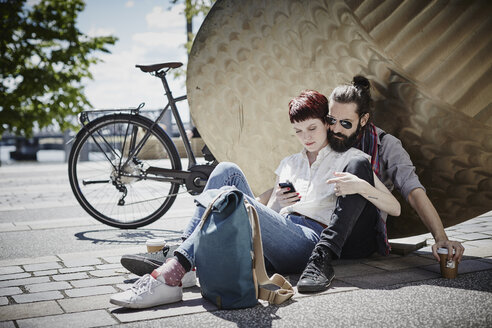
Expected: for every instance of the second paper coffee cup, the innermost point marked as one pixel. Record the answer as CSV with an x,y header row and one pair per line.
x,y
449,269
155,245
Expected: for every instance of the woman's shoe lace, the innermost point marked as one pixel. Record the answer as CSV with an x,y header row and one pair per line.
x,y
144,284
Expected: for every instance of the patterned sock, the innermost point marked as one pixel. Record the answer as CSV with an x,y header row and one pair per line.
x,y
171,272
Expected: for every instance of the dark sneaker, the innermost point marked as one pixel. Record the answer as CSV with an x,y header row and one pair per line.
x,y
318,274
144,263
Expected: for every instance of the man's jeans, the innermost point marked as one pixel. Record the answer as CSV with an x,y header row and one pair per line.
x,y
352,229
287,241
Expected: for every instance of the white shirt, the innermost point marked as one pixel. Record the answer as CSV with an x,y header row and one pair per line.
x,y
318,198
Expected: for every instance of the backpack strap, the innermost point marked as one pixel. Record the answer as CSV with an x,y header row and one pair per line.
x,y
285,290
209,208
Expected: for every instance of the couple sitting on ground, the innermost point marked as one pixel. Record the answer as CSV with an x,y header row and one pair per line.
x,y
338,210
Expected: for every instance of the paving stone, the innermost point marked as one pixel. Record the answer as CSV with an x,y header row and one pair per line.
x,y
471,228
90,291
452,233
4,300
454,239
45,273
465,266
472,236
355,269
196,305
76,269
109,266
36,297
108,272
100,253
24,281
7,324
9,227
112,259
336,286
424,251
14,276
10,269
407,245
58,285
60,223
485,243
27,261
87,303
488,214
472,249
404,262
81,262
42,266
70,276
389,278
486,260
73,320
10,291
98,281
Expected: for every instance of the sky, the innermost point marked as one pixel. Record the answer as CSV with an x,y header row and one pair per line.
x,y
148,32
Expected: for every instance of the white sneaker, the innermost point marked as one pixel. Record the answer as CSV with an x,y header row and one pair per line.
x,y
189,279
147,292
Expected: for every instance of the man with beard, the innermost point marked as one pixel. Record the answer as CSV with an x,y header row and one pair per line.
x,y
357,229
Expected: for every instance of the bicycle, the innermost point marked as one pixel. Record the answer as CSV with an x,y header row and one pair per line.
x,y
124,169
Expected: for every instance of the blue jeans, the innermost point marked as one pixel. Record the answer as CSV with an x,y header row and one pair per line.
x,y
287,240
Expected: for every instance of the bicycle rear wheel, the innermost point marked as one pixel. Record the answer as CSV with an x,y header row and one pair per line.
x,y
113,187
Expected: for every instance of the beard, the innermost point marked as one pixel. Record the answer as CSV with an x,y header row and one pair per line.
x,y
343,144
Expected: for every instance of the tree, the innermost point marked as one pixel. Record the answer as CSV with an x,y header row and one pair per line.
x,y
193,8
44,58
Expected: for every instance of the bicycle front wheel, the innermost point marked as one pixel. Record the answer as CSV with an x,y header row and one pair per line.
x,y
108,170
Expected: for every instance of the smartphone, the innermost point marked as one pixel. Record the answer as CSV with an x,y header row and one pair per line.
x,y
287,184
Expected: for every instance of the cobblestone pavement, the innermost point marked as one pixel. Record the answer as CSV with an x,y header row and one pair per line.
x,y
69,285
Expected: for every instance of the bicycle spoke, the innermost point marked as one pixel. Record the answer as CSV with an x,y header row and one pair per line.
x,y
112,174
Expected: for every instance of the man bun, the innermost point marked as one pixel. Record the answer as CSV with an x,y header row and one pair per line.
x,y
358,92
362,83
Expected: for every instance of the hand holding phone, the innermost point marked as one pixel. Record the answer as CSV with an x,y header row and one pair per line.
x,y
287,184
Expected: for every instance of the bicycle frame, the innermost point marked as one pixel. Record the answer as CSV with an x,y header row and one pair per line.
x,y
119,137
194,177
172,102
174,110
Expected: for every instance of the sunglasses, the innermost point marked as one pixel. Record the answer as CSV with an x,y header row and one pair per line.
x,y
344,123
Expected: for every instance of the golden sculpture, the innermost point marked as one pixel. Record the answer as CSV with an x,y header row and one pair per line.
x,y
429,64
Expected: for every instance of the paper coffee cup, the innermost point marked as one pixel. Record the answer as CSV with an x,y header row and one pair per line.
x,y
449,269
155,245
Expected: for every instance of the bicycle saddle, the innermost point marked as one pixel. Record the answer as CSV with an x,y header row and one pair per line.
x,y
156,67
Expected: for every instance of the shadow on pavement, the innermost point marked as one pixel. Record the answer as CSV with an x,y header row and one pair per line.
x,y
127,237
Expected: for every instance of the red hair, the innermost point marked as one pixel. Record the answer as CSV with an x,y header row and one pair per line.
x,y
309,104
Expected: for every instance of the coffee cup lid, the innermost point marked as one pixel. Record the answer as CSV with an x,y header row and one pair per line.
x,y
443,250
155,242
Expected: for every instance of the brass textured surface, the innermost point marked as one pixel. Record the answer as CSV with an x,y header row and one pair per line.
x,y
251,57
443,44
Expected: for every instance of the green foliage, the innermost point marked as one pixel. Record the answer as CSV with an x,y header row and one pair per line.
x,y
192,8
43,59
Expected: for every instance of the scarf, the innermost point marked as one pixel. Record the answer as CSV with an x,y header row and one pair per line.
x,y
368,143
